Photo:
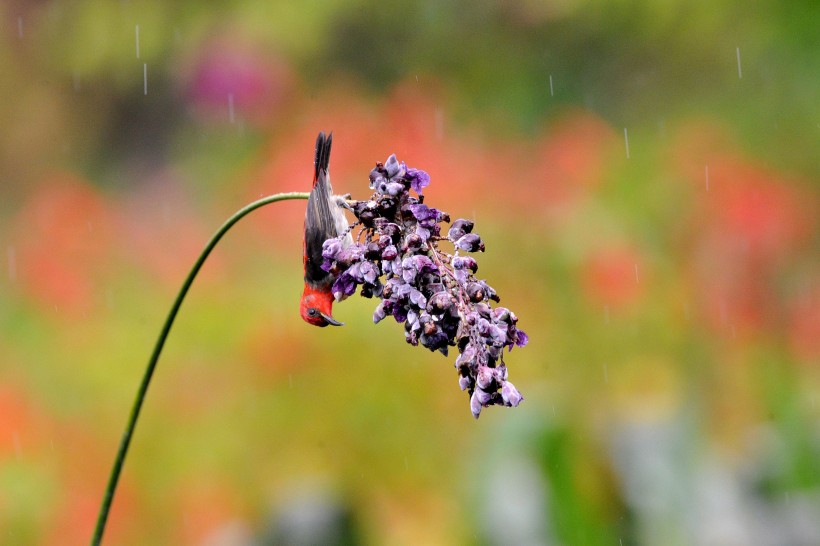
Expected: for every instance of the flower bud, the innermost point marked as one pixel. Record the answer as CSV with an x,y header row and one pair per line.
x,y
373,251
367,217
392,231
439,302
498,336
484,310
413,242
412,338
467,356
501,314
484,378
417,299
470,243
423,264
387,206
510,395
393,167
483,327
422,212
490,292
390,253
377,175
344,286
459,228
475,405
379,313
475,292
483,396
465,263
369,272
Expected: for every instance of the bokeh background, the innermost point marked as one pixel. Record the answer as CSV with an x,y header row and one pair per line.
x,y
645,176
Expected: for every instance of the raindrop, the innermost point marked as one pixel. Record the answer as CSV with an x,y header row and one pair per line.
x,y
552,92
138,41
417,78
230,107
626,140
12,263
707,177
290,380
739,71
20,27
145,78
636,274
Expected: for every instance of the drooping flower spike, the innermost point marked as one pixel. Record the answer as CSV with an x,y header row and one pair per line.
x,y
398,258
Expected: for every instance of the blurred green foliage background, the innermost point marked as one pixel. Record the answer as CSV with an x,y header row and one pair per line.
x,y
645,176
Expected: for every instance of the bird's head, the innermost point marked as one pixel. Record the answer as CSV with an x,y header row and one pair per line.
x,y
316,307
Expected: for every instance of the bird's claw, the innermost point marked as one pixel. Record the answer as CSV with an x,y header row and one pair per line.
x,y
342,201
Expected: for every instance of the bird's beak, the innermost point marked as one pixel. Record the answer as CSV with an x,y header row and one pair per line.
x,y
332,321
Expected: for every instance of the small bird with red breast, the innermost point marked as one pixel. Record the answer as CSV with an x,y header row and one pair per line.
x,y
324,220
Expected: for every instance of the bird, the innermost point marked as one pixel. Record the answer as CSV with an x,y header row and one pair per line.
x,y
324,219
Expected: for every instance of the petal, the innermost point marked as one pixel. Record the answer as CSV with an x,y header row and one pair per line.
x,y
418,179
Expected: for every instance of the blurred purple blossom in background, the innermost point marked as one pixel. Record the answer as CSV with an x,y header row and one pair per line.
x,y
396,257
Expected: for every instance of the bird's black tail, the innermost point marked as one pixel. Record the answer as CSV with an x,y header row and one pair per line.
x,y
322,154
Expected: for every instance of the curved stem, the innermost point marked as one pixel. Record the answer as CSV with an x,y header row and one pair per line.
x,y
152,362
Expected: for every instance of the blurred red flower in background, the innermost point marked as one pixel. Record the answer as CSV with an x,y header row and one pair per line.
x,y
612,277
62,237
804,325
751,228
570,159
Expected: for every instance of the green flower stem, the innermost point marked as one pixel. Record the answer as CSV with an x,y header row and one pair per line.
x,y
152,362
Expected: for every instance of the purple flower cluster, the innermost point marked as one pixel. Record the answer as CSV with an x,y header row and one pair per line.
x,y
397,258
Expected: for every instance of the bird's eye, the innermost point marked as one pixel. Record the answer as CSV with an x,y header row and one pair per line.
x,y
312,312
